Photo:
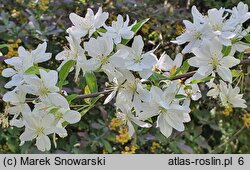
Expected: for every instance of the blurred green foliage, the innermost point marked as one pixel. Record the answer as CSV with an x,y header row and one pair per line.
x,y
210,131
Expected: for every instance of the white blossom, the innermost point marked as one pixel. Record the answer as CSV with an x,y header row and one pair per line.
x,y
119,30
76,53
24,61
17,98
87,25
57,105
137,61
38,125
170,113
230,96
100,50
127,117
239,14
209,58
195,32
42,86
166,64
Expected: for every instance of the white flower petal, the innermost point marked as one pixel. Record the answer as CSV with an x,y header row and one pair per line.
x,y
43,143
8,72
72,116
165,128
224,73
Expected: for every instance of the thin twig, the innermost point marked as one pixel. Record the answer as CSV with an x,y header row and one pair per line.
x,y
218,148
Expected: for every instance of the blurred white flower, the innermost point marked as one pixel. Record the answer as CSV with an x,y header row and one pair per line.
x,y
228,95
119,30
87,25
17,98
191,91
214,89
132,91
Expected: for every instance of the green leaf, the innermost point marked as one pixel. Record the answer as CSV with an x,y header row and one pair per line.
x,y
71,97
34,70
248,70
64,72
180,96
226,50
135,29
91,82
86,110
240,56
236,73
202,80
107,146
184,68
156,78
101,30
247,37
3,46
90,104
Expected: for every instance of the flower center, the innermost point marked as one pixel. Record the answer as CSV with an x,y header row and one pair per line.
x,y
132,87
214,61
58,115
104,59
137,59
44,91
216,27
163,110
197,35
40,131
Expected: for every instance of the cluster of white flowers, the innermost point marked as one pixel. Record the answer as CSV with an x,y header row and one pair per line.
x,y
49,109
97,47
206,38
223,24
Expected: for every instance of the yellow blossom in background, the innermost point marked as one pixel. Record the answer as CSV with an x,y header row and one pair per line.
x,y
104,151
123,136
115,122
41,4
155,146
13,48
1,68
4,148
227,111
44,4
20,1
4,118
246,119
179,29
15,13
130,150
